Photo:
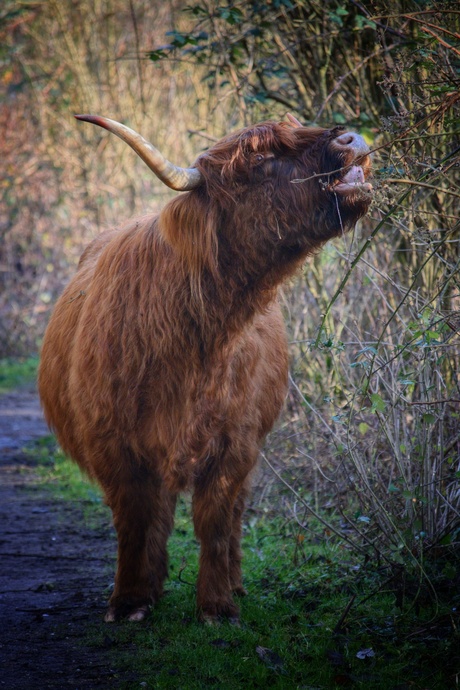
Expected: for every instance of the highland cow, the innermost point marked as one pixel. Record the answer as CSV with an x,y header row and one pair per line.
x,y
165,361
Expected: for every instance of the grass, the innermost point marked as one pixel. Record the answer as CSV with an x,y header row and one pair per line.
x,y
64,479
15,373
315,615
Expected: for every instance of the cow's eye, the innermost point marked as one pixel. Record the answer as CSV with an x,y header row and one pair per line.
x,y
257,157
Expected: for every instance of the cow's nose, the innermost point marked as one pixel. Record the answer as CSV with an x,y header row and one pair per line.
x,y
351,140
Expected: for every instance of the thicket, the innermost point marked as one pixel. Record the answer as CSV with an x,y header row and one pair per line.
x,y
60,183
371,431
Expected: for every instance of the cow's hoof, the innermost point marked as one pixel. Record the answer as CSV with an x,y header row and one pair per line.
x,y
110,616
234,620
207,619
216,613
139,614
132,613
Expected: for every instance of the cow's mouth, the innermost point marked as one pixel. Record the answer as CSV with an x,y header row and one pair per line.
x,y
354,180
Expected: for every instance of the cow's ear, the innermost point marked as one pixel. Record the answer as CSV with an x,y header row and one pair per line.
x,y
293,120
190,227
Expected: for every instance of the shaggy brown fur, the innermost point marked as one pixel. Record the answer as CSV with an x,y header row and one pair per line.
x,y
165,363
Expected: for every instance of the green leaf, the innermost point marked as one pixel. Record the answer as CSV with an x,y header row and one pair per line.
x,y
156,55
365,365
232,15
363,22
368,348
450,571
339,119
378,404
432,335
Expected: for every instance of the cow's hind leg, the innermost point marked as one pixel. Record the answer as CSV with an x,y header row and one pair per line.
x,y
143,515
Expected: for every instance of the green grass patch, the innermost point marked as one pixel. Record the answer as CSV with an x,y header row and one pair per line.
x,y
316,615
64,478
14,372
293,632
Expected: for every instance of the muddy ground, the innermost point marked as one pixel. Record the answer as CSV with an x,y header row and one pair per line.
x,y
55,570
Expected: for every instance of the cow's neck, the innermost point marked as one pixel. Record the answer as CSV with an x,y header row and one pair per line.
x,y
245,286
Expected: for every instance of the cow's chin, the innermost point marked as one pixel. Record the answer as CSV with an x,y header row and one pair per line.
x,y
355,199
350,206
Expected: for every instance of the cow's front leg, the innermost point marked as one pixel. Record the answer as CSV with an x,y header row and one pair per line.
x,y
143,514
234,564
216,493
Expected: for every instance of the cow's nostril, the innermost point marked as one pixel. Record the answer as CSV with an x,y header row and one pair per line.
x,y
352,142
345,139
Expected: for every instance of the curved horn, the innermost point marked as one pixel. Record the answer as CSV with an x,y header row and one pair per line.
x,y
180,179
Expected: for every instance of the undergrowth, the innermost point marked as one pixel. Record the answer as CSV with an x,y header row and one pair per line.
x,y
317,615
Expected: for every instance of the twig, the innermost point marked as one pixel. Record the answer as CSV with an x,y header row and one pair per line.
x,y
209,137
341,79
312,511
447,102
365,246
435,402
441,40
376,591
410,15
344,614
434,26
403,180
384,26
138,60
179,574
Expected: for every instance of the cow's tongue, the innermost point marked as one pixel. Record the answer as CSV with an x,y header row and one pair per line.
x,y
353,180
354,176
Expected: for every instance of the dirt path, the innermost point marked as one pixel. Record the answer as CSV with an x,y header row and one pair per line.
x,y
54,570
